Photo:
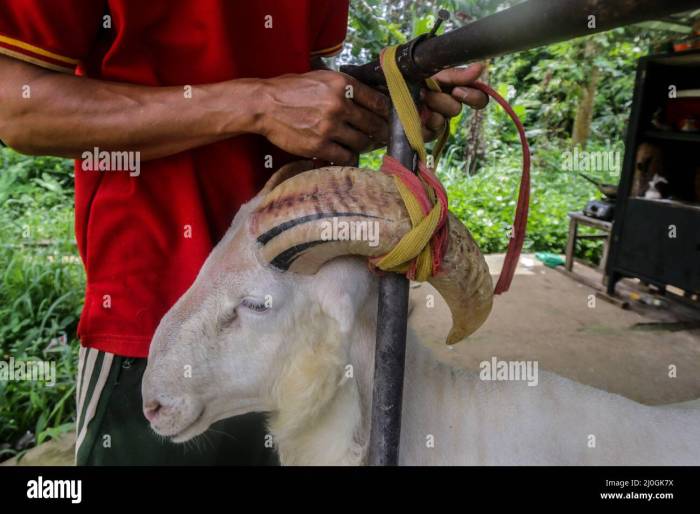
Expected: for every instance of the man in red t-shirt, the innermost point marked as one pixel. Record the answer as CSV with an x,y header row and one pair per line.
x,y
177,112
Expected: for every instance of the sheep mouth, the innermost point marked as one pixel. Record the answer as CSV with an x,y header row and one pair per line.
x,y
191,430
201,423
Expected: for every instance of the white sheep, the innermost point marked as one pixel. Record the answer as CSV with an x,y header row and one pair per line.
x,y
251,336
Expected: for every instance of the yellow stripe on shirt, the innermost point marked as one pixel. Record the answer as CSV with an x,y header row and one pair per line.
x,y
36,50
32,60
328,51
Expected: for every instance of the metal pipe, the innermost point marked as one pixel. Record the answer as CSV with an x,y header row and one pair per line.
x,y
392,313
527,25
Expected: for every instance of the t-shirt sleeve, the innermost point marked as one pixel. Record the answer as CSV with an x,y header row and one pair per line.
x,y
54,34
329,24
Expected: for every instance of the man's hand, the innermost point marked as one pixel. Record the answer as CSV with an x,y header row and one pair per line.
x,y
324,115
437,107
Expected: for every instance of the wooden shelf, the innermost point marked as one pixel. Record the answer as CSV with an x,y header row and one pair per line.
x,y
688,137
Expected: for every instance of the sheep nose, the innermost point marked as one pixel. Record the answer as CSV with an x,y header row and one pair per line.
x,y
151,410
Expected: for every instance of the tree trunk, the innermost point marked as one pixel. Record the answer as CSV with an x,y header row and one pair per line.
x,y
584,112
475,148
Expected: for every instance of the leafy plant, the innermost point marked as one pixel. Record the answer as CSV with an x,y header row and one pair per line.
x,y
41,295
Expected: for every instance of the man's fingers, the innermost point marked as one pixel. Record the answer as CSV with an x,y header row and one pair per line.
x,y
335,154
447,105
352,138
369,98
369,123
460,76
435,122
471,97
459,79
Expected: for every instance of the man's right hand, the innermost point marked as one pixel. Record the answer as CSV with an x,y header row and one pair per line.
x,y
323,115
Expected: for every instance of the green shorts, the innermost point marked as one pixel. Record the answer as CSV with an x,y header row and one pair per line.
x,y
112,430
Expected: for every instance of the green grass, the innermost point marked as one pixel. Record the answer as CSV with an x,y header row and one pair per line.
x,y
486,203
41,294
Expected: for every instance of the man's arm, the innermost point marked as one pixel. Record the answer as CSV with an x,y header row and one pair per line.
x,y
308,115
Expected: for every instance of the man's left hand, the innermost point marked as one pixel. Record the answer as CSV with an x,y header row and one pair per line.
x,y
438,107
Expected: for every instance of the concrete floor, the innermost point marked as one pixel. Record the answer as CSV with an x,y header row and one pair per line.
x,y
546,317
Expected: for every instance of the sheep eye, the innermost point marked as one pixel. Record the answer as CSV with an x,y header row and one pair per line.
x,y
254,305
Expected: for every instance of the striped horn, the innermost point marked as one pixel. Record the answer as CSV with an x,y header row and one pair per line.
x,y
306,218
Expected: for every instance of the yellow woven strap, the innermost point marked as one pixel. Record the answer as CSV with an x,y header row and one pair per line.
x,y
416,243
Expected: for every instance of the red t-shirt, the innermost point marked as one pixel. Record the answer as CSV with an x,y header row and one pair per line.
x,y
144,238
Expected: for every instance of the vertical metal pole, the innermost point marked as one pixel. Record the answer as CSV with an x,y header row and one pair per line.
x,y
392,314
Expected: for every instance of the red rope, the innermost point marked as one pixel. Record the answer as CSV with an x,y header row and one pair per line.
x,y
515,245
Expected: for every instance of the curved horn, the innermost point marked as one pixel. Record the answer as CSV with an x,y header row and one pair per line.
x,y
312,217
286,172
464,282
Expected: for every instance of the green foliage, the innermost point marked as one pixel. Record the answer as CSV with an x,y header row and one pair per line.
x,y
41,295
375,24
486,202
547,82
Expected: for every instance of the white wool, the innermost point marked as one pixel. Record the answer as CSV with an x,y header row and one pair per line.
x,y
316,412
473,422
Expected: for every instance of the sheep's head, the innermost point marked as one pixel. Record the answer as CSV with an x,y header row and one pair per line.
x,y
269,292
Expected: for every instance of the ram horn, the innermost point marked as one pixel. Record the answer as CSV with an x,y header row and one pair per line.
x,y
306,218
